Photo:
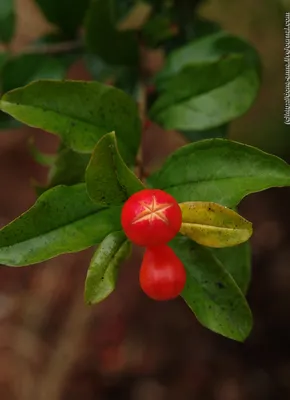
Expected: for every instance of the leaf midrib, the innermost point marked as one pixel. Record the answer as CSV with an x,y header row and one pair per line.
x,y
212,299
190,182
58,113
55,229
184,100
215,227
43,109
230,278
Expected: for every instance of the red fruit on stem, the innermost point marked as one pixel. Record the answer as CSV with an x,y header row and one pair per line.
x,y
151,217
162,274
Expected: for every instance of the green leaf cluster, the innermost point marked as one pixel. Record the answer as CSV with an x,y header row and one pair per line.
x,y
81,207
209,78
199,84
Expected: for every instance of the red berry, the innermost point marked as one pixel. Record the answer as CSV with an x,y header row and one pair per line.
x,y
151,217
162,274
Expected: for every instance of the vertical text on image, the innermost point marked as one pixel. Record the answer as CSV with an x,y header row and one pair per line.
x,y
287,69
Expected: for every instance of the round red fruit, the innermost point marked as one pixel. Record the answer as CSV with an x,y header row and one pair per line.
x,y
151,217
162,274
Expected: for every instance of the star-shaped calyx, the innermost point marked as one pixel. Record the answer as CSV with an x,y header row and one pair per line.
x,y
151,217
152,211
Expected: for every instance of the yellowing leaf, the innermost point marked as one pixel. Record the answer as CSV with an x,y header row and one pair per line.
x,y
213,225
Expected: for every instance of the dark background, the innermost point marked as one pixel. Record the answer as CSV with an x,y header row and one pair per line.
x,y
52,347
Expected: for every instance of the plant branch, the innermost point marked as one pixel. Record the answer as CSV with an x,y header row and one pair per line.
x,y
55,48
142,106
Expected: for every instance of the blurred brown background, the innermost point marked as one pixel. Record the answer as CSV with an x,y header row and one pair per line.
x,y
52,347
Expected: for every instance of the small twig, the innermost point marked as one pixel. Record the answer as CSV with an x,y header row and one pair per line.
x,y
142,100
63,47
143,172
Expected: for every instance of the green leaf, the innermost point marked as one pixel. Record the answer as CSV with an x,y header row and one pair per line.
x,y
221,171
7,20
225,65
212,293
109,180
204,96
63,220
213,225
103,271
41,158
68,15
79,112
69,168
185,84
6,122
23,69
207,49
237,261
102,37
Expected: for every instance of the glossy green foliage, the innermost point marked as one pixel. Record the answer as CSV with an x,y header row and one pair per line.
x,y
7,20
21,70
79,112
63,220
69,168
67,15
103,38
103,270
109,180
206,49
38,156
200,81
211,292
7,122
221,171
208,79
188,103
237,261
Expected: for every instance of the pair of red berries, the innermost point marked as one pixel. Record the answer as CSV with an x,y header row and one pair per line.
x,y
151,218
